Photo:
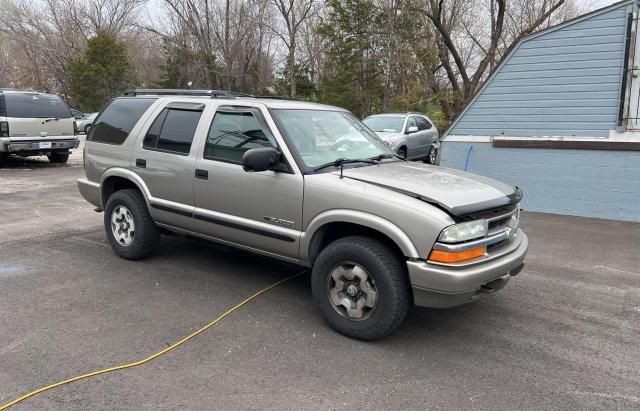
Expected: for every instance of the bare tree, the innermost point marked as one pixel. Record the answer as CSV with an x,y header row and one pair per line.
x,y
46,34
472,41
419,49
294,13
310,53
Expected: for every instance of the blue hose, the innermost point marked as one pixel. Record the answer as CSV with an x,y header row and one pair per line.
x,y
466,163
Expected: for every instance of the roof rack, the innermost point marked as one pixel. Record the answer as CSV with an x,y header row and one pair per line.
x,y
2,90
189,92
277,98
181,92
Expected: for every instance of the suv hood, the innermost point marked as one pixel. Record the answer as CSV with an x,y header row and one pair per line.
x,y
459,193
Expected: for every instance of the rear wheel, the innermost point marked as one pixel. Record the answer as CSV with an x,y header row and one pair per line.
x,y
131,231
58,157
432,155
360,287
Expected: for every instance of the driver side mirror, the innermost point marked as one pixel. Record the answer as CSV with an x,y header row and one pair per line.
x,y
412,129
260,159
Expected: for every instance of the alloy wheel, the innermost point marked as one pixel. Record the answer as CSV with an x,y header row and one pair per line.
x,y
122,225
352,291
433,154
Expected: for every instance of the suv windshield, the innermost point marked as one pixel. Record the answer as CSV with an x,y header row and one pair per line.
x,y
321,137
385,124
31,105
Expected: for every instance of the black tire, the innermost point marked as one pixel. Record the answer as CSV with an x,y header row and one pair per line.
x,y
58,157
147,235
391,283
86,129
4,157
402,152
432,155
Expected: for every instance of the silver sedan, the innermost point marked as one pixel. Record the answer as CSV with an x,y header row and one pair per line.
x,y
411,135
84,124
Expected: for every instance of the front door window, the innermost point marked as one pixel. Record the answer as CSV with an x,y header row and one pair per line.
x,y
232,134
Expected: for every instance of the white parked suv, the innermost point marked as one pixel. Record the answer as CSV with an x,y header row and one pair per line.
x,y
35,124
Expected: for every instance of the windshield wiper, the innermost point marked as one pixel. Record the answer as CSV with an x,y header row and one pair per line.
x,y
342,161
381,157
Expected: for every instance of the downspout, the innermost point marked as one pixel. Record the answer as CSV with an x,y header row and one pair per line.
x,y
629,69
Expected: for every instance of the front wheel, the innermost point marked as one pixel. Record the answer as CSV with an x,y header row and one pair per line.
x,y
131,231
402,152
360,287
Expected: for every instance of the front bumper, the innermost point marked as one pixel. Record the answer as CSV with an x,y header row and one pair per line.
x,y
24,145
442,286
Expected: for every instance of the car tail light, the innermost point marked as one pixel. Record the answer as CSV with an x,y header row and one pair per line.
x,y
4,129
75,128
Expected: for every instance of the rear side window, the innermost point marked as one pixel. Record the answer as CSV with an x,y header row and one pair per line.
x,y
117,120
423,123
31,105
173,131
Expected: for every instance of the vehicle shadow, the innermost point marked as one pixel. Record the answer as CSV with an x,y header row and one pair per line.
x,y
420,325
16,162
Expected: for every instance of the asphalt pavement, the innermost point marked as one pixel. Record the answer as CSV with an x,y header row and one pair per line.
x,y
564,334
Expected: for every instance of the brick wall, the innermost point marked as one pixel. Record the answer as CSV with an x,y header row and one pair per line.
x,y
589,183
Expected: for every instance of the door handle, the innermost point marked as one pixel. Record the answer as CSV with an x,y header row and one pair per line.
x,y
202,174
141,163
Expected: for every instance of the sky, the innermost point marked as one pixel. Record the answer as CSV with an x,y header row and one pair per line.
x,y
603,3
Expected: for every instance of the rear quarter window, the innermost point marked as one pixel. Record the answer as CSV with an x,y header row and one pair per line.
x,y
31,105
115,122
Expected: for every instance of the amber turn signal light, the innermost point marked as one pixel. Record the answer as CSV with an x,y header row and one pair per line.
x,y
456,256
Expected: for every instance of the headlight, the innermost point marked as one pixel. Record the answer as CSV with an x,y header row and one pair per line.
x,y
464,232
389,142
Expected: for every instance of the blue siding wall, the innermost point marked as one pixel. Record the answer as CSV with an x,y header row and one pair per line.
x,y
563,82
588,183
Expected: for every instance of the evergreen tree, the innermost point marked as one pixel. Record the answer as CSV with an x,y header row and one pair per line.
x,y
305,89
173,72
353,76
101,74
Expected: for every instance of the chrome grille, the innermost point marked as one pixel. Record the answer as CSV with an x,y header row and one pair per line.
x,y
508,223
504,222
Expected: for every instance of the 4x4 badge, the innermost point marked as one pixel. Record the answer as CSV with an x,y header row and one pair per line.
x,y
279,221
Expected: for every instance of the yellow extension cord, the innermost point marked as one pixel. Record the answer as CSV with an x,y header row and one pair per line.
x,y
151,357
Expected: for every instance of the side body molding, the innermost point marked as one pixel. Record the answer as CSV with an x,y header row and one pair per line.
x,y
152,202
356,217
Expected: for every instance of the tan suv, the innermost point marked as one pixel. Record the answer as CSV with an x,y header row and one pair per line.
x,y
308,184
35,124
